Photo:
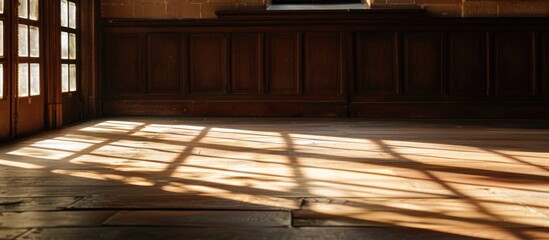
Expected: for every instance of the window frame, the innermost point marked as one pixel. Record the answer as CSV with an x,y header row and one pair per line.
x,y
4,18
29,60
68,61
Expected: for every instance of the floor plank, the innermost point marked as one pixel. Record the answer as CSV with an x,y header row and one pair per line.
x,y
11,233
202,218
226,202
146,233
35,204
53,219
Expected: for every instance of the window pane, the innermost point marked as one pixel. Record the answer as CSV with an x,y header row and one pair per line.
x,y
1,6
72,77
23,80
64,45
72,15
64,77
23,10
1,81
34,42
1,38
33,13
35,79
23,40
64,13
72,45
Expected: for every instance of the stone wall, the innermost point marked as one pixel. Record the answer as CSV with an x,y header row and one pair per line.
x,y
180,9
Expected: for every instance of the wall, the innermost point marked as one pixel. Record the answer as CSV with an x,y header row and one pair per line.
x,y
179,9
377,63
173,9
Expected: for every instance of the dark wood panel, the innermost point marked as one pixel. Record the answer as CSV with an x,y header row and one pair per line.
x,y
208,63
72,108
375,63
124,64
467,63
283,63
422,63
246,63
513,63
496,109
166,63
225,108
544,63
323,56
5,118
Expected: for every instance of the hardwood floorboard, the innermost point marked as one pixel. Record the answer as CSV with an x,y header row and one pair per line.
x,y
54,219
278,178
18,204
174,201
146,233
201,218
11,233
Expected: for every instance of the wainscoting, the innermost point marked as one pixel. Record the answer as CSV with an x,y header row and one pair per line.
x,y
365,63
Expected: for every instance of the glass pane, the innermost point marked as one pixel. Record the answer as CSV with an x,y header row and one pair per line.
x,y
1,6
23,80
33,10
23,10
23,40
64,77
72,45
1,81
64,13
1,38
34,41
73,77
72,15
64,45
35,79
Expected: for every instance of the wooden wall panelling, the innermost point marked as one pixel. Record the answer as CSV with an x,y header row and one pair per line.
x,y
208,63
124,64
544,63
376,64
272,69
513,63
323,63
283,63
5,115
246,63
422,63
466,64
166,63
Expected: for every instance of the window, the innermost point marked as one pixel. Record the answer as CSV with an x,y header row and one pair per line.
x,y
28,69
69,35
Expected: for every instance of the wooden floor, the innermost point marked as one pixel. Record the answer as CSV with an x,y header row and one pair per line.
x,y
291,178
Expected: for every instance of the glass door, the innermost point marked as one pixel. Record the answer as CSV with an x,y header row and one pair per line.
x,y
30,84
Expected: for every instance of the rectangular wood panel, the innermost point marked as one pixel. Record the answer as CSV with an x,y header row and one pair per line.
x,y
375,63
283,63
422,63
208,63
124,64
544,63
323,63
513,62
166,64
246,63
467,63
